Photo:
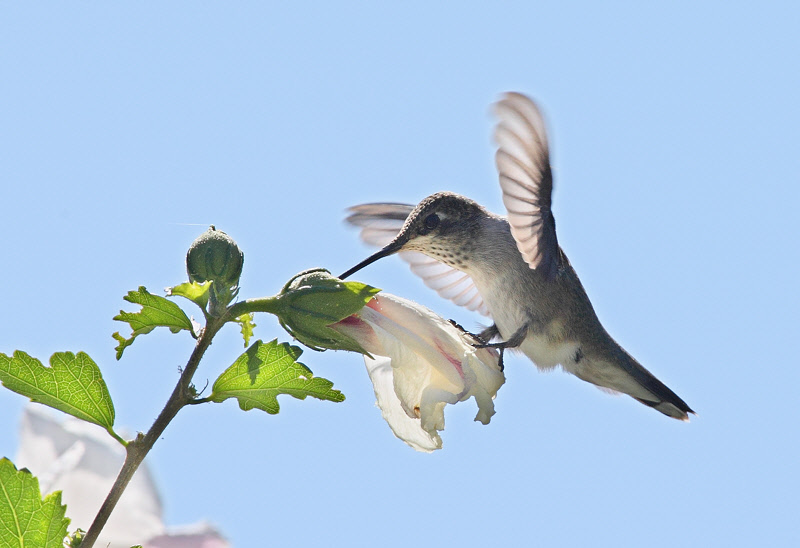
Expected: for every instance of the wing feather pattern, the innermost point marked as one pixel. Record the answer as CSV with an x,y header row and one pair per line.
x,y
523,166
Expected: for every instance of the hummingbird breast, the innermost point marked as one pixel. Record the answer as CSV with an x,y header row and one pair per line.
x,y
454,256
519,296
548,341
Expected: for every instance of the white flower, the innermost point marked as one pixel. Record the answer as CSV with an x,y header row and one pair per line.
x,y
83,460
419,363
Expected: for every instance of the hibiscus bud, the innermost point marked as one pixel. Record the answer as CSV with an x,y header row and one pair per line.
x,y
214,256
313,300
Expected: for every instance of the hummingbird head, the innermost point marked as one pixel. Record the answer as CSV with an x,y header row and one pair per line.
x,y
442,226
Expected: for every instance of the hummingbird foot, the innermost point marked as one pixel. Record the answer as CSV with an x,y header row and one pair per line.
x,y
482,339
479,338
501,346
491,332
512,342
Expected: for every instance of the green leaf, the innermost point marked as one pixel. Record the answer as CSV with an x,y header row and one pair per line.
x,y
28,521
194,291
156,312
266,370
247,324
123,343
72,384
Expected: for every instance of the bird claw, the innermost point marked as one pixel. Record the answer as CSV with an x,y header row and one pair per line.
x,y
481,340
501,346
490,332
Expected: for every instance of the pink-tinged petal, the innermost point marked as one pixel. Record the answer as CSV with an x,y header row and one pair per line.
x,y
433,329
454,361
415,336
413,371
421,363
360,331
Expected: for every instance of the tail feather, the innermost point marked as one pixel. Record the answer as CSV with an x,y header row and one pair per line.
x,y
664,400
618,370
669,409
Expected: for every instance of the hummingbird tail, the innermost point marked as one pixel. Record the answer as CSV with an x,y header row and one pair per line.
x,y
669,409
619,371
664,400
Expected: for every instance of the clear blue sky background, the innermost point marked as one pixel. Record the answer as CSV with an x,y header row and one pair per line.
x,y
126,129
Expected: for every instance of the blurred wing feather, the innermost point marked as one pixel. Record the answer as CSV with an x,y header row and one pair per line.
x,y
523,166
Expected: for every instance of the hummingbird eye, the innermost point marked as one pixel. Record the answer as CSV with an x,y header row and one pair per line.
x,y
431,221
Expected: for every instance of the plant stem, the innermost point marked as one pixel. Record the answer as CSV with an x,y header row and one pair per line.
x,y
138,448
263,304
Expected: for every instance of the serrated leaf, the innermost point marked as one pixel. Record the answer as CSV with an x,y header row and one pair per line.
x,y
72,384
263,372
156,312
27,520
194,291
247,325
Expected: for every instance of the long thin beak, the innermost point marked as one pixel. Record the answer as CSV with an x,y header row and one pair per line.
x,y
390,249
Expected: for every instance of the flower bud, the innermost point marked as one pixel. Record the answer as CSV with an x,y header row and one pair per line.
x,y
214,256
313,300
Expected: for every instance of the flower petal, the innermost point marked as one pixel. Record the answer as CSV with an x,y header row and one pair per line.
x,y
487,381
418,329
404,427
420,362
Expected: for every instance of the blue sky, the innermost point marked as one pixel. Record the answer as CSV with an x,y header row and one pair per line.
x,y
674,130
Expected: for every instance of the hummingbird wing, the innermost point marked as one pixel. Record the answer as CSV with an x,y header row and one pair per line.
x,y
523,164
380,223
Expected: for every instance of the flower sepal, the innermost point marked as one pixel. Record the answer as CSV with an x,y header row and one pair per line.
x,y
313,300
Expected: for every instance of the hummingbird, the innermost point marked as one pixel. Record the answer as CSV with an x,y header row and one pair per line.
x,y
511,268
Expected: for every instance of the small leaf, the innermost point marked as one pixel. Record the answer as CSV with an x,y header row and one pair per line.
x,y
28,521
156,312
123,343
247,324
266,370
72,384
194,291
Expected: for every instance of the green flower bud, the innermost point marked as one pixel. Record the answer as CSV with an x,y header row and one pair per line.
x,y
313,300
75,539
215,256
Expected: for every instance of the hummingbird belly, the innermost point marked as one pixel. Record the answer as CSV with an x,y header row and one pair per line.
x,y
547,354
548,348
545,344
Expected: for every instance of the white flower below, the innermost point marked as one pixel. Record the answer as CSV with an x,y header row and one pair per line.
x,y
419,363
81,459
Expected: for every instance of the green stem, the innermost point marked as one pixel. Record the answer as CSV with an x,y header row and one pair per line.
x,y
116,436
137,449
263,304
